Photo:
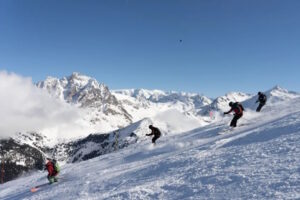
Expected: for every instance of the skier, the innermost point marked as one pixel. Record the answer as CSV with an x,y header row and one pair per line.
x,y
262,99
154,131
238,110
53,170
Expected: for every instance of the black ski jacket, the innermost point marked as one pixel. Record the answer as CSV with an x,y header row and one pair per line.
x,y
154,131
262,98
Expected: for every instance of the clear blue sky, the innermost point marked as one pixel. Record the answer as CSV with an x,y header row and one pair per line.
x,y
232,45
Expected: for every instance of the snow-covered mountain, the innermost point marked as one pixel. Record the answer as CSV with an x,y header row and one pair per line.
x,y
99,144
274,96
159,96
141,98
166,109
221,103
19,158
106,110
259,160
100,108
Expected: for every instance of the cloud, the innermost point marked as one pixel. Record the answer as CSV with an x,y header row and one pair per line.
x,y
24,107
174,121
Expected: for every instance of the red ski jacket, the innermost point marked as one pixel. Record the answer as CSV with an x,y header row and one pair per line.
x,y
237,108
50,169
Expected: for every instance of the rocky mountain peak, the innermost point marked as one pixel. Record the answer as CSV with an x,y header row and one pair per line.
x,y
87,93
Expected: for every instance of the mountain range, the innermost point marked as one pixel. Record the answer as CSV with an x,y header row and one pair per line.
x,y
120,118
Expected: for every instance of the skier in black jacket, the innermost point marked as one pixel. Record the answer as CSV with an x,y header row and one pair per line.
x,y
154,131
262,99
238,112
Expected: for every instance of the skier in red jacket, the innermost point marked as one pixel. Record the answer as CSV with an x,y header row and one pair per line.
x,y
52,168
238,109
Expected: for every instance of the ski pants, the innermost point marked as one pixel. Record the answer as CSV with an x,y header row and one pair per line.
x,y
260,106
235,119
155,138
52,179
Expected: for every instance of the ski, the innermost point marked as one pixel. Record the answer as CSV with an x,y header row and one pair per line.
x,y
229,129
36,188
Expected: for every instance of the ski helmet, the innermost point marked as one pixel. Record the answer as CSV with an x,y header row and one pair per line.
x,y
150,126
259,93
230,103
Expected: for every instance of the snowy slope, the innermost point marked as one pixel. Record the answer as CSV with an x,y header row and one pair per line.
x,y
259,160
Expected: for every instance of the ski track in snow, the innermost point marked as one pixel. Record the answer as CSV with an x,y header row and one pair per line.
x,y
259,160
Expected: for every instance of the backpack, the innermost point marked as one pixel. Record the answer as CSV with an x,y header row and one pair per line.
x,y
263,98
238,108
56,166
241,107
